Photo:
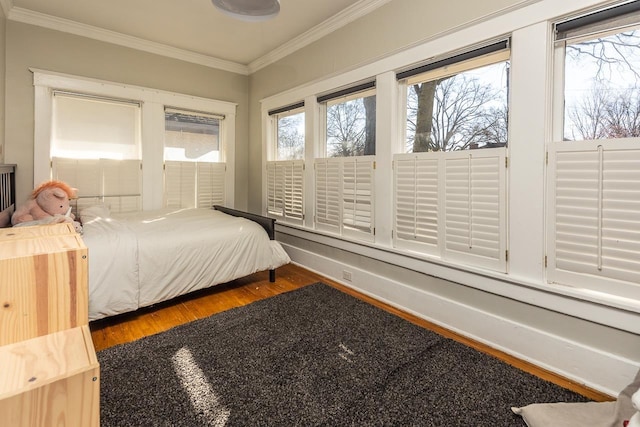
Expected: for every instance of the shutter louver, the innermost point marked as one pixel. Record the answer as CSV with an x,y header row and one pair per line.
x,y
474,207
115,183
416,201
293,200
357,197
272,188
328,198
285,190
210,185
179,184
122,184
83,174
596,216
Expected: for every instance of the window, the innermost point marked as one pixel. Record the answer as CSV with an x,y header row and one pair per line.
x,y
95,147
289,124
602,74
350,121
449,197
194,173
459,103
344,179
97,135
594,183
285,174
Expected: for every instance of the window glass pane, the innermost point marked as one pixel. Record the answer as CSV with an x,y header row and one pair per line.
x,y
191,137
601,91
92,128
290,137
462,111
351,126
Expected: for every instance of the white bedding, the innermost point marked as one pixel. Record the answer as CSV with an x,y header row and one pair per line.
x,y
142,258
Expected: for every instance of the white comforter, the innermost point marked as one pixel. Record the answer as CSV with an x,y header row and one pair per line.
x,y
142,258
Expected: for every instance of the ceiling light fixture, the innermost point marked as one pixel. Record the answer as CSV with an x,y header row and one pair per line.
x,y
248,10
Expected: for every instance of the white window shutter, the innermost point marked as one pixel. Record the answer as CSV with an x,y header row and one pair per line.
x,y
474,207
293,191
285,185
179,184
121,177
210,184
328,198
357,197
274,191
83,174
594,219
122,184
115,183
416,195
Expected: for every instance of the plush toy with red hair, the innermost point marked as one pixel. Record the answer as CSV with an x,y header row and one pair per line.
x,y
49,204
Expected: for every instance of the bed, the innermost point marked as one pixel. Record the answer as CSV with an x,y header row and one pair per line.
x,y
139,259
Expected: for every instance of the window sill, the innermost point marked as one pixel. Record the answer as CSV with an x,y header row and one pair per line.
x,y
610,310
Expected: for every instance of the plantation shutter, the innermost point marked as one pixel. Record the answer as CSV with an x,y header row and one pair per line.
x,y
115,183
285,190
275,190
595,215
210,184
179,184
416,193
294,185
328,198
474,207
357,197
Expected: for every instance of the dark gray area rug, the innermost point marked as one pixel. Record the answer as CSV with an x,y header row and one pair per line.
x,y
311,357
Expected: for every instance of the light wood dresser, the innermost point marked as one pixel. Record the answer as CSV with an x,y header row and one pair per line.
x,y
49,373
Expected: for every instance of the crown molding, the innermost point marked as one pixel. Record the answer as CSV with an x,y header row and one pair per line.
x,y
47,21
6,5
348,15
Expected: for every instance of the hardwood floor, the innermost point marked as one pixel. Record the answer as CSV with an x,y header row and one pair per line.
x,y
132,326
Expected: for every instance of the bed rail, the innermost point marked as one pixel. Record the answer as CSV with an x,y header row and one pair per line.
x,y
7,186
267,223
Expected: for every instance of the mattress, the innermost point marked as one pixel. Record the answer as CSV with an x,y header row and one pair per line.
x,y
142,258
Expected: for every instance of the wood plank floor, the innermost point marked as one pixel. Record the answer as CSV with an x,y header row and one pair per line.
x,y
132,326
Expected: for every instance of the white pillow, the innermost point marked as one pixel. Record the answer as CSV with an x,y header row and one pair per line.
x,y
563,414
94,212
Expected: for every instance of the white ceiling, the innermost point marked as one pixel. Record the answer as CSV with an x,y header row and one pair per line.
x,y
194,30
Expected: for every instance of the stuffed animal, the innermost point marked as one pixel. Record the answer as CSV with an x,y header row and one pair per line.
x,y
48,204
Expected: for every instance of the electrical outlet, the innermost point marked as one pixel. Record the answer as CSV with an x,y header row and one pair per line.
x,y
346,275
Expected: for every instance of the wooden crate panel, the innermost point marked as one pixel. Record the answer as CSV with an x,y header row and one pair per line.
x,y
44,284
36,231
50,380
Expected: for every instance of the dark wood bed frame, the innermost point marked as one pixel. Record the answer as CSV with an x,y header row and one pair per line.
x,y
267,223
7,186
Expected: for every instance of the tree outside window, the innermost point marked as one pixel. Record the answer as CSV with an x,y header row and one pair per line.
x,y
351,127
602,90
458,112
291,136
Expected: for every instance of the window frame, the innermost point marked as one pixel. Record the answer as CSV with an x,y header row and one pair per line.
x,y
153,102
562,246
324,102
467,62
275,117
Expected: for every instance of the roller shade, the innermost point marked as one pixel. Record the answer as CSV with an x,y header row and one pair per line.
x,y
617,17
